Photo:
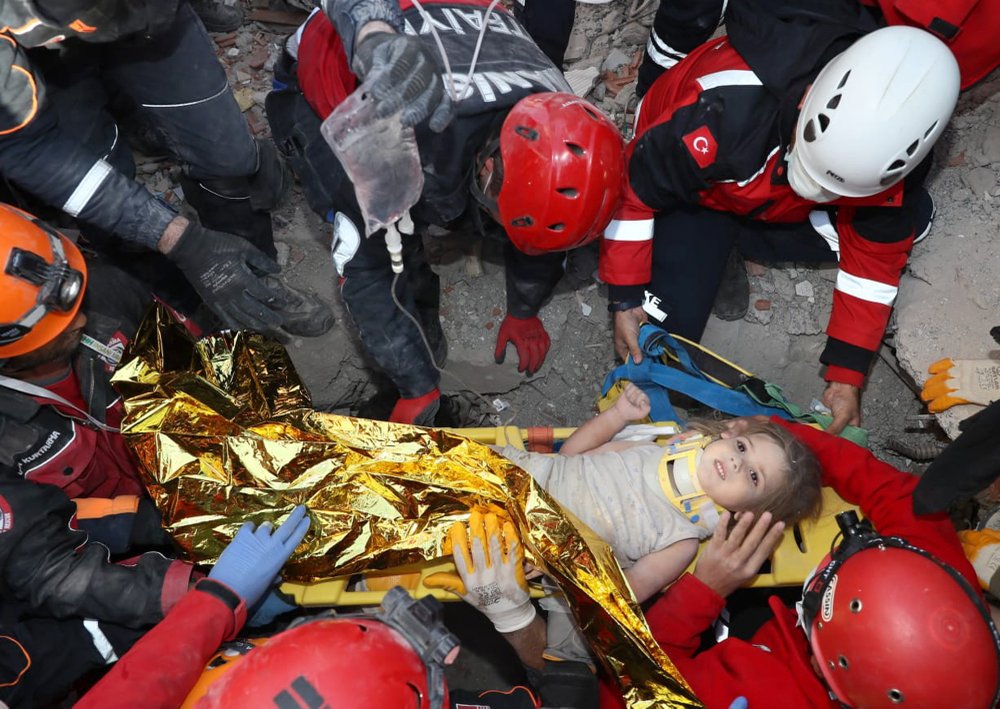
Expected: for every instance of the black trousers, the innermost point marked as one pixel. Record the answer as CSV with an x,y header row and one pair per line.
x,y
45,661
690,248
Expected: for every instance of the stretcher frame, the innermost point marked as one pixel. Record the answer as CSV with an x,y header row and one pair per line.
x,y
801,549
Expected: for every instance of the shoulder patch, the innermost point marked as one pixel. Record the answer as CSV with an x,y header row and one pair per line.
x,y
702,146
6,515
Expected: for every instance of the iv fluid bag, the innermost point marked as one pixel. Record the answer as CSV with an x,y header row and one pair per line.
x,y
380,157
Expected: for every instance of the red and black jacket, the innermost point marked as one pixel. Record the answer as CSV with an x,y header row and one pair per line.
x,y
712,132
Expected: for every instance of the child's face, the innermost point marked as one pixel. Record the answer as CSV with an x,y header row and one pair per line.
x,y
737,471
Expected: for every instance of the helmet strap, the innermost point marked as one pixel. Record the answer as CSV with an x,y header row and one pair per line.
x,y
421,623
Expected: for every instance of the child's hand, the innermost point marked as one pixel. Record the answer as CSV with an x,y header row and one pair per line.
x,y
633,404
739,426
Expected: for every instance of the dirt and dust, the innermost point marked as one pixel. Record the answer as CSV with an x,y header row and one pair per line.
x,y
780,338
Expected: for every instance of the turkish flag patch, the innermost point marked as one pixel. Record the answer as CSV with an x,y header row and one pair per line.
x,y
701,143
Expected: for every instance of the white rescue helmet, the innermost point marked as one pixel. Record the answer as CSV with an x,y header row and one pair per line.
x,y
875,111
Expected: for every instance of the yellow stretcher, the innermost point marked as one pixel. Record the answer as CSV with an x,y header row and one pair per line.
x,y
802,548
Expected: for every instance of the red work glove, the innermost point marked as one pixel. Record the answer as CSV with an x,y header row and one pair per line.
x,y
529,338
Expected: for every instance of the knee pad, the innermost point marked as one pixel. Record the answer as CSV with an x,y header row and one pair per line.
x,y
265,189
270,184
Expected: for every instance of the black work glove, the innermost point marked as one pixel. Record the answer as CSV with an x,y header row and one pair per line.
x,y
400,73
966,467
227,272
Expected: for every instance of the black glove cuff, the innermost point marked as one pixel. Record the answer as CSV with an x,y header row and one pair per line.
x,y
186,249
220,591
620,305
350,16
619,294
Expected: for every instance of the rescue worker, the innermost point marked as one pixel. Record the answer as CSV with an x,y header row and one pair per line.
x,y
163,667
546,165
791,150
679,27
393,657
890,618
878,604
66,322
59,143
70,493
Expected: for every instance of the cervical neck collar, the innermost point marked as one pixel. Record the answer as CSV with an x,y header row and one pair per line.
x,y
679,480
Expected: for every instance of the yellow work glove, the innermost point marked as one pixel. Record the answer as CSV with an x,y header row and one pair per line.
x,y
982,549
961,381
490,565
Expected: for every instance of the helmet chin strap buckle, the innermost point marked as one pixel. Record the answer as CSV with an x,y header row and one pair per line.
x,y
422,625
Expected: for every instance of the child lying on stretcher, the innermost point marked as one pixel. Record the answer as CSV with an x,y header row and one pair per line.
x,y
653,503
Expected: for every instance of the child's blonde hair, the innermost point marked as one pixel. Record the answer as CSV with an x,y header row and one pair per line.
x,y
800,497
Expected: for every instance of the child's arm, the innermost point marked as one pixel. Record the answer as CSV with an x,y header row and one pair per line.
x,y
633,404
655,571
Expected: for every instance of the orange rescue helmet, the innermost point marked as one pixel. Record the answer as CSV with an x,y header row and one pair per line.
x,y
43,281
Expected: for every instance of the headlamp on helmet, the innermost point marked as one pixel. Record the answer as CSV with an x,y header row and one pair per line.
x,y
43,280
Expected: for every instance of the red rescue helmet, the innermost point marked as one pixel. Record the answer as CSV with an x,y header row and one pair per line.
x,y
43,280
394,658
891,625
564,172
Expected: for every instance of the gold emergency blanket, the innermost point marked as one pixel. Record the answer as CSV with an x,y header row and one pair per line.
x,y
224,433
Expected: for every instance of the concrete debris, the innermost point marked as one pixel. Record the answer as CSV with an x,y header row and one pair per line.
x,y
981,180
582,80
283,250
991,144
617,60
804,289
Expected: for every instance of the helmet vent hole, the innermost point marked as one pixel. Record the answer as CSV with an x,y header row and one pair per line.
x,y
570,192
895,696
912,148
930,130
522,221
842,661
856,605
417,694
810,132
559,226
843,80
362,628
824,122
576,149
527,133
590,111
896,165
834,102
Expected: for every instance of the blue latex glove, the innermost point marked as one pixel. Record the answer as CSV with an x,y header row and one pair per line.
x,y
739,703
251,562
273,605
